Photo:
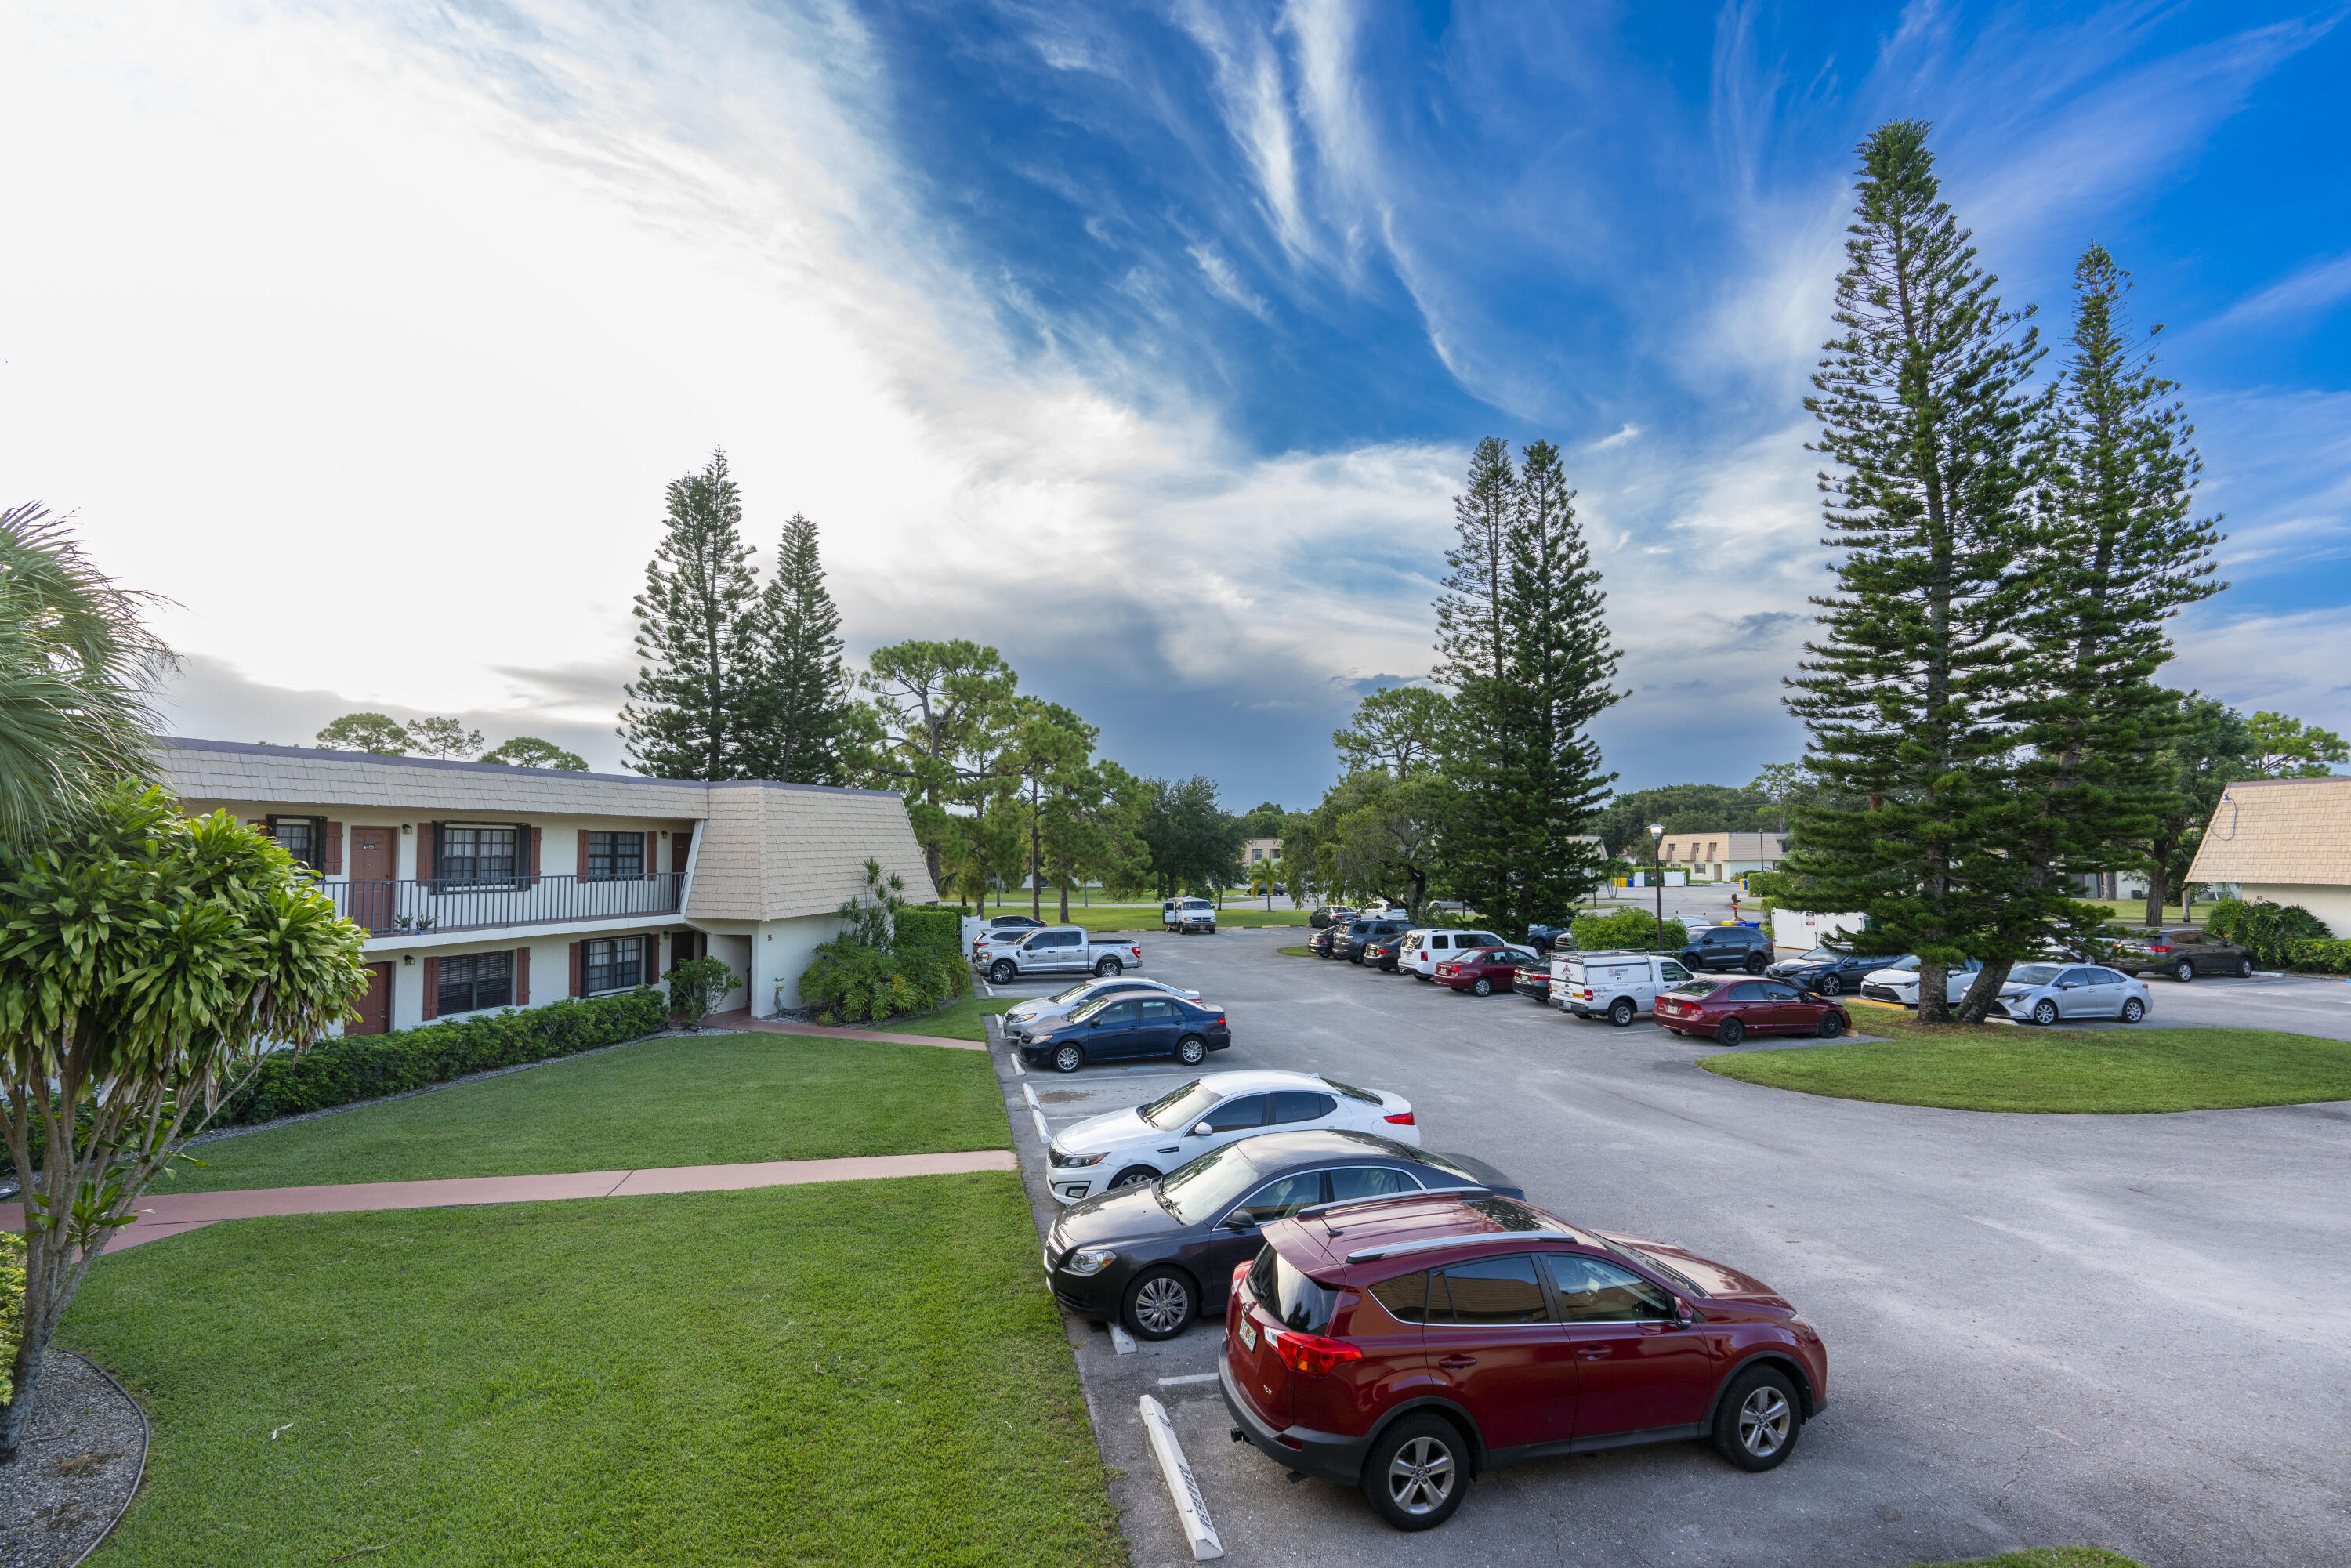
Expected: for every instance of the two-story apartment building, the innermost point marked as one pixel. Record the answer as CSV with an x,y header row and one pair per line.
x,y
482,886
1719,855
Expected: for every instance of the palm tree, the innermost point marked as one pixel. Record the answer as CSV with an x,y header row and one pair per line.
x,y
78,674
1263,874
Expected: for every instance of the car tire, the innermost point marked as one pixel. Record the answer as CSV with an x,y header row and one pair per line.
x,y
1133,1175
2044,1012
1158,1302
1068,1058
1732,1032
1415,1473
1109,967
1754,964
1481,986
2133,1010
1002,972
1830,986
1620,1012
1758,1423
1191,1050
2244,968
2184,971
1830,1027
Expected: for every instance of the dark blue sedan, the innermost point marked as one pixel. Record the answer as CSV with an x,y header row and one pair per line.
x,y
1124,1028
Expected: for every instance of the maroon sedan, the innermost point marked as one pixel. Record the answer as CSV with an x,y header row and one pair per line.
x,y
1402,1345
1731,1011
1485,970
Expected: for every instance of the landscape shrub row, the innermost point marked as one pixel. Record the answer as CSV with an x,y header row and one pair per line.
x,y
2322,956
2277,934
367,1067
1628,930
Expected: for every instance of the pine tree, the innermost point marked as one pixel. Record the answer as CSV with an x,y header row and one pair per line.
x,y
798,726
1929,428
1479,760
696,633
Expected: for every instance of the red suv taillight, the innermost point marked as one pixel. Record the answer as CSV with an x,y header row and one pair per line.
x,y
1402,1119
2158,948
1311,1353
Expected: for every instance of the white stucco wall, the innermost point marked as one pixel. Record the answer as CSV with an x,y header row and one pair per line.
x,y
1793,928
2331,903
780,952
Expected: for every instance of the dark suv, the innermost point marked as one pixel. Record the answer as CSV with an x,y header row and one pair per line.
x,y
1361,934
2183,954
1403,1345
1726,947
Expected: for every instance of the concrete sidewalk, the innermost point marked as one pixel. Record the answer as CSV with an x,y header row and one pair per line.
x,y
169,1214
741,1019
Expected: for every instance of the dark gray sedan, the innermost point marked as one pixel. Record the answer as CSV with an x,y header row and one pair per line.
x,y
1155,1256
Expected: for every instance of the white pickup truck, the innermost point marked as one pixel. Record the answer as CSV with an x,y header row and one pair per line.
x,y
1055,950
1618,987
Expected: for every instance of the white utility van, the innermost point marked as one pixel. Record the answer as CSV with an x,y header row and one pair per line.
x,y
1618,987
1185,915
1426,946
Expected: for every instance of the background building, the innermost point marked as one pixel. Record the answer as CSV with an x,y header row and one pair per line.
x,y
2283,841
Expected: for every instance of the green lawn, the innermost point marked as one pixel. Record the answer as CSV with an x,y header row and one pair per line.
x,y
867,1372
1295,952
2048,1557
956,1020
1144,917
1998,1068
690,1101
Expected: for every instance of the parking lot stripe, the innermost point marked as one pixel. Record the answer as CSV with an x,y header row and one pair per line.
x,y
1190,1507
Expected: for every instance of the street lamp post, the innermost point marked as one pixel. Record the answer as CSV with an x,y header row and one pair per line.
x,y
1657,876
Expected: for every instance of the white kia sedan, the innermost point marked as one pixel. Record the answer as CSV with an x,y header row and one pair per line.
x,y
2043,993
1024,1016
1899,981
1125,1148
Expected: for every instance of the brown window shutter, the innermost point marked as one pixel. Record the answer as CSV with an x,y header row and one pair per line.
x,y
578,957
649,967
582,837
522,977
334,849
652,865
431,989
424,851
534,851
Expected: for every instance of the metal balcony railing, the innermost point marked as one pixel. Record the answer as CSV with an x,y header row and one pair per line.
x,y
410,906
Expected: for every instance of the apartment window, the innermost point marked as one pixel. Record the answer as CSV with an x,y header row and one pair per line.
x,y
611,964
476,856
614,856
304,837
476,980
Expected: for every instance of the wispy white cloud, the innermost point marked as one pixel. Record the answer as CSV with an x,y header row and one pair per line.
x,y
2310,290
1226,282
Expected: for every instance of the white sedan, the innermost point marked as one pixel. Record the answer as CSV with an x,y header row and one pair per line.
x,y
1023,1017
2043,993
1125,1148
1899,981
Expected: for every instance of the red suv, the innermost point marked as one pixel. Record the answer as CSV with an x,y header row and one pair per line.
x,y
1404,1345
1484,971
1731,1011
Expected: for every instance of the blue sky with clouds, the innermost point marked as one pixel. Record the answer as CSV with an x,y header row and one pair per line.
x,y
1146,342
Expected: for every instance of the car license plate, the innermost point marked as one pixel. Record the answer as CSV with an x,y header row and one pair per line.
x,y
1248,1334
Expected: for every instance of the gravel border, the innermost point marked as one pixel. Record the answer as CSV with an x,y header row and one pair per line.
x,y
84,1455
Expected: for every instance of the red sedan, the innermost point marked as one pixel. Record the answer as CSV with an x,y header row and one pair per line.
x,y
1485,970
1731,1011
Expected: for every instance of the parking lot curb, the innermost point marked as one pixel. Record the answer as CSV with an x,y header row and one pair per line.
x,y
1189,1506
1120,1340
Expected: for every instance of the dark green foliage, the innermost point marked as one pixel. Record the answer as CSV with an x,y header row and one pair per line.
x,y
2208,748
944,713
2272,931
929,930
697,986
1192,843
697,624
2321,955
378,734
871,971
1929,431
1623,824
1628,930
799,727
367,1067
1400,729
529,751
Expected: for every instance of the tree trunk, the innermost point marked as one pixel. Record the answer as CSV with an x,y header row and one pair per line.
x,y
30,1355
2155,894
1976,1006
1934,991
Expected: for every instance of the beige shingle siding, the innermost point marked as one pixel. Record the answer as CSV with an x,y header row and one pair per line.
x,y
225,770
776,851
2296,830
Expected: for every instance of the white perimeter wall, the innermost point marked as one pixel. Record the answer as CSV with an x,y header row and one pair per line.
x,y
1792,928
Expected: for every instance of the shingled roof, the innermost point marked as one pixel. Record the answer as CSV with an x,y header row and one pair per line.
x,y
2296,830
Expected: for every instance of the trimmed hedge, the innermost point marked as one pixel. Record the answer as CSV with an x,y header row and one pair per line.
x,y
2322,956
938,930
1629,930
369,1067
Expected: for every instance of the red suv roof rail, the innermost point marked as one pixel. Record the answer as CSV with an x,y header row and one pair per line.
x,y
1431,1243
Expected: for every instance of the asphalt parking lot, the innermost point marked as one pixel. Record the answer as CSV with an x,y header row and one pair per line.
x,y
2132,1331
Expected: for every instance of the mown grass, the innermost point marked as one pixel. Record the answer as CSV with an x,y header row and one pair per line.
x,y
865,1372
1295,952
689,1100
2109,1072
2048,1557
956,1020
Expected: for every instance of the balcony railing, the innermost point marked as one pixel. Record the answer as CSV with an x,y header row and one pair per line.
x,y
414,907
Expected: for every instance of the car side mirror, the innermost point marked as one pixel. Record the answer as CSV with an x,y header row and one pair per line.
x,y
1683,1311
1238,1220
1202,1130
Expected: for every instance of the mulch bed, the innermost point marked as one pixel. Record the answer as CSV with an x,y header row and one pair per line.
x,y
83,1453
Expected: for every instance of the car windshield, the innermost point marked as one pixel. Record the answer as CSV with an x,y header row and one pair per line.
x,y
1201,1189
1070,992
1089,1008
1180,1107
1351,1092
1698,987
1824,956
2033,974
1909,961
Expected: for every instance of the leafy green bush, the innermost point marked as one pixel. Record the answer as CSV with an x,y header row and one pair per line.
x,y
937,930
367,1067
868,973
2271,930
697,986
12,1307
2321,954
1633,930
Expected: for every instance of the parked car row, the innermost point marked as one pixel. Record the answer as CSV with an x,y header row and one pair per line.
x,y
1397,1319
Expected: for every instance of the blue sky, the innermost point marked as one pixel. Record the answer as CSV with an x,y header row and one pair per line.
x,y
1145,342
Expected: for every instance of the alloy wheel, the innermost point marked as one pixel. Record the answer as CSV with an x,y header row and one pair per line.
x,y
2044,1012
2183,971
1764,1418
1484,986
1831,986
1421,1476
1162,1304
2133,1011
1068,1058
1190,1050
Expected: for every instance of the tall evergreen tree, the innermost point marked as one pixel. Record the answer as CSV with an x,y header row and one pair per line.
x,y
800,727
1929,430
697,622
942,713
1479,752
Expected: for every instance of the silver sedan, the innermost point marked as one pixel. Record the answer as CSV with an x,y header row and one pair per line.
x,y
1023,1017
2044,993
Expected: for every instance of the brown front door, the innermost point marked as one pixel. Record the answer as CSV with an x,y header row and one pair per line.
x,y
680,845
375,1007
375,862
